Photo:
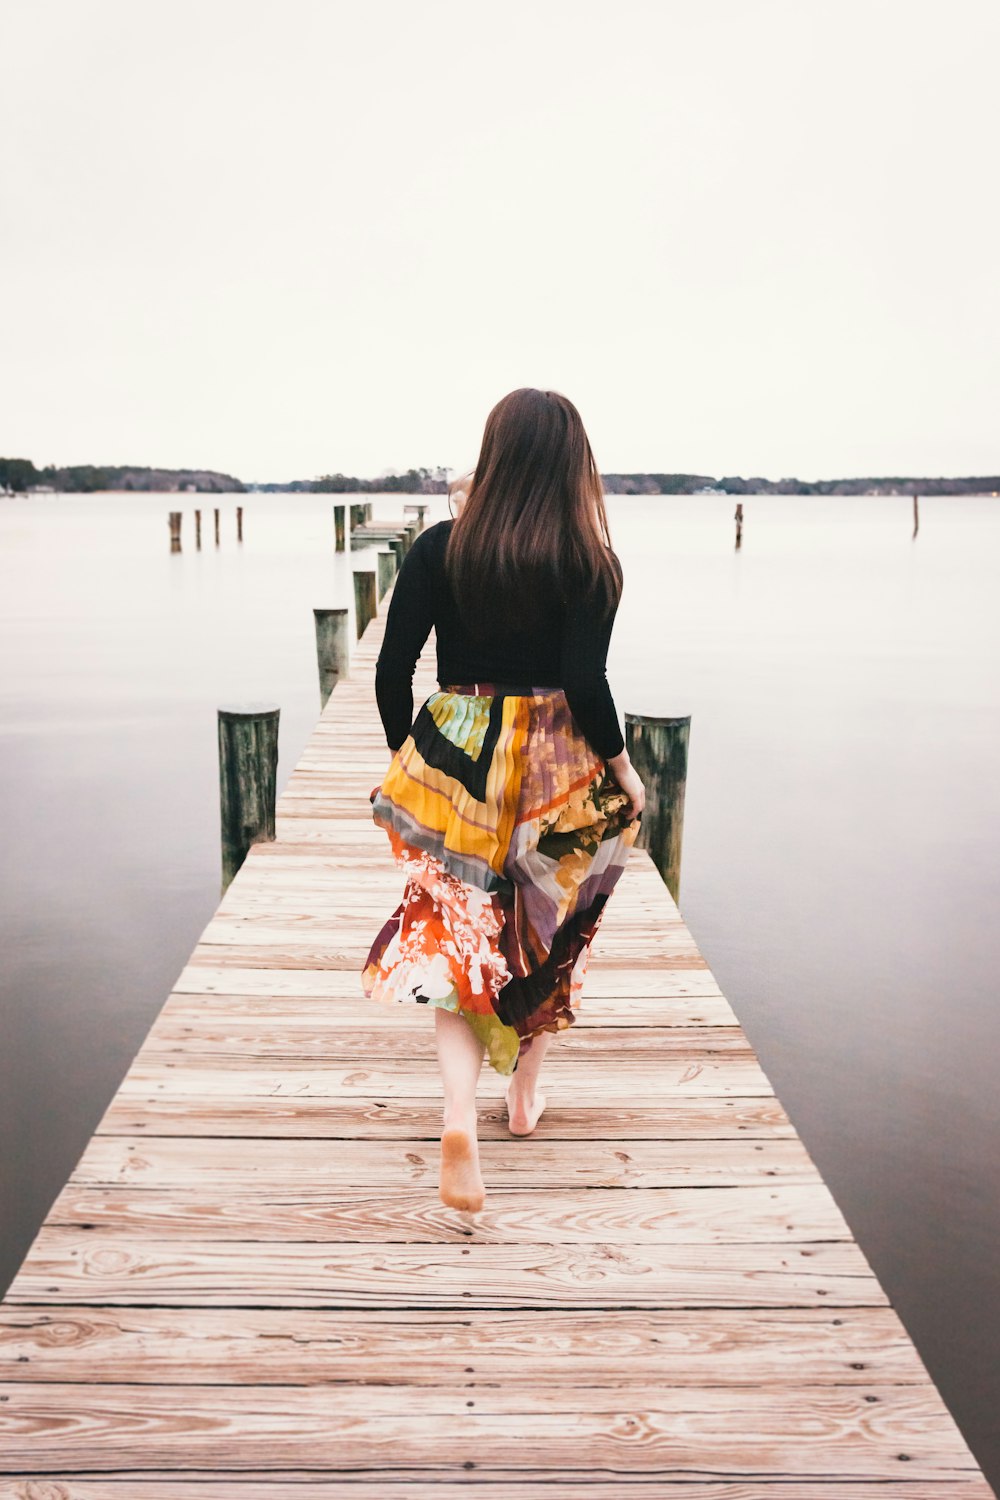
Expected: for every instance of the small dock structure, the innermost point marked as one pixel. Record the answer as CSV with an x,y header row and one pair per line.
x,y
249,1289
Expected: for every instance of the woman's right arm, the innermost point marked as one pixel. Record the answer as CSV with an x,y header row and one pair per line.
x,y
407,626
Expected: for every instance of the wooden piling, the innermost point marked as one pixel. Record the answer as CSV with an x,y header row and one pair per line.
x,y
216,527
197,529
658,748
358,516
338,526
248,766
332,650
398,545
175,519
365,598
386,562
239,523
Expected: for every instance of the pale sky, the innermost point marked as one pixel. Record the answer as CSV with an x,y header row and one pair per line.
x,y
286,237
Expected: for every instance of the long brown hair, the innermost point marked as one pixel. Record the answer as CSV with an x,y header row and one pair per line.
x,y
534,528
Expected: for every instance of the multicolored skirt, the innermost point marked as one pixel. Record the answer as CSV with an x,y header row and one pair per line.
x,y
510,834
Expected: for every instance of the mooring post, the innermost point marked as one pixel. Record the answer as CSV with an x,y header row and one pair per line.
x,y
239,523
248,773
658,748
176,517
365,598
411,534
357,516
197,529
332,651
386,572
338,526
368,510
216,528
398,545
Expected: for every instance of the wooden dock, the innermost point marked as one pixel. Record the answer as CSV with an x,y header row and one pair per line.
x,y
248,1290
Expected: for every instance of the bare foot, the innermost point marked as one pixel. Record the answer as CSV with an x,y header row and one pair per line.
x,y
522,1114
461,1180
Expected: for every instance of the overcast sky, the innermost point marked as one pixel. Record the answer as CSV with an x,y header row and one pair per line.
x,y
286,237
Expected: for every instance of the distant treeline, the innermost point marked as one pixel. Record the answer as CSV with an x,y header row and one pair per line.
x,y
413,482
19,474
694,484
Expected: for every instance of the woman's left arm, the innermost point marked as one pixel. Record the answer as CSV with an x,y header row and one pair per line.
x,y
585,643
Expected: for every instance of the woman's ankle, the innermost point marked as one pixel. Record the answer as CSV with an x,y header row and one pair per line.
x,y
460,1117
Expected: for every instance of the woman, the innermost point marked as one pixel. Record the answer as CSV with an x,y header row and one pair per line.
x,y
510,802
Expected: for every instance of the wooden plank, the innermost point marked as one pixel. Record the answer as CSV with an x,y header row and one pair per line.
x,y
680,1347
232,1166
405,1484
112,1268
835,1432
187,1111
778,1211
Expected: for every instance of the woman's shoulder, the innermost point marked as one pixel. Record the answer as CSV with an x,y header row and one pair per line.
x,y
432,541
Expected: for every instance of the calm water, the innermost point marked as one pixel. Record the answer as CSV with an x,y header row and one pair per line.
x,y
840,870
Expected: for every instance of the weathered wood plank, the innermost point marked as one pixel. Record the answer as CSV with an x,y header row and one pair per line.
x,y
112,1268
839,1431
185,1110
231,1166
680,1347
778,1211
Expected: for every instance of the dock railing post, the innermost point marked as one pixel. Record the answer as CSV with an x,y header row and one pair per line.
x,y
332,650
248,774
658,748
338,525
386,572
365,598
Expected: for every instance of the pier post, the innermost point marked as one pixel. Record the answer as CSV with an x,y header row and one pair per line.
x,y
365,598
176,517
239,523
197,530
332,651
216,527
248,767
386,572
357,516
398,545
658,748
338,525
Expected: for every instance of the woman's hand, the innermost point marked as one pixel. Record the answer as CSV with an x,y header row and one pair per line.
x,y
627,778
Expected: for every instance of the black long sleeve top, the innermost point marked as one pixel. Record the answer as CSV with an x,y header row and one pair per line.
x,y
569,652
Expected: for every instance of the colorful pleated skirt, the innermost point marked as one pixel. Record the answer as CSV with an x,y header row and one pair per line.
x,y
510,834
